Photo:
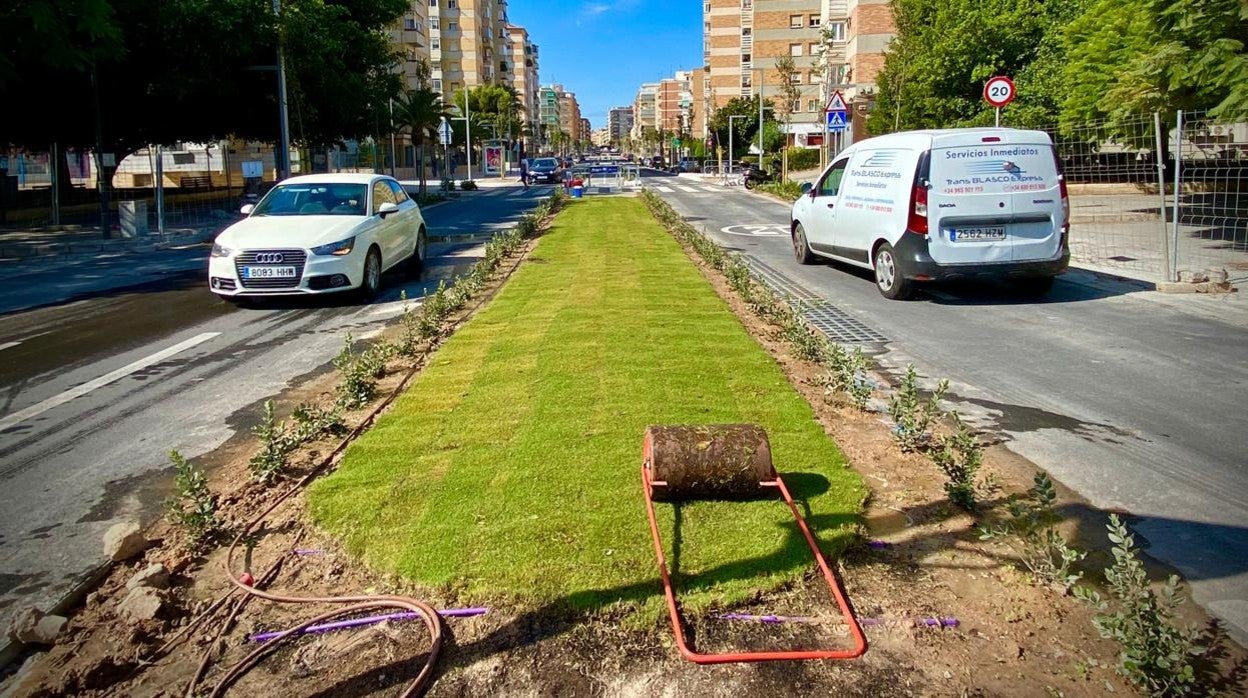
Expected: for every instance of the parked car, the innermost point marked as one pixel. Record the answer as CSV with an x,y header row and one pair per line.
x,y
547,170
322,233
929,205
689,165
656,162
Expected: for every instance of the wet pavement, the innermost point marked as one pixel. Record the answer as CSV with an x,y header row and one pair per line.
x,y
135,358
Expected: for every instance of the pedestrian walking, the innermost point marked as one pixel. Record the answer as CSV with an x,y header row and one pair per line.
x,y
524,173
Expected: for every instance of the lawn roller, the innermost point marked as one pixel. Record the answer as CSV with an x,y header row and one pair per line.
x,y
725,461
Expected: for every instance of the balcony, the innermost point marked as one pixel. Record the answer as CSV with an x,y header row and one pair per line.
x,y
747,43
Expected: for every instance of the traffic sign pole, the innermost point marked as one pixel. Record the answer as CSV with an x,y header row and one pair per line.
x,y
998,92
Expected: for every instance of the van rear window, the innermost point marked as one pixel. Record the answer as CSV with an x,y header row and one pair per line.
x,y
992,169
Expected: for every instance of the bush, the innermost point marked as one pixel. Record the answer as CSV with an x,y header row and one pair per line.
x,y
1156,655
913,415
193,508
468,185
275,445
789,191
958,455
1032,533
803,159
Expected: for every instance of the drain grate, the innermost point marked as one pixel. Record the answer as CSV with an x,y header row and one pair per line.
x,y
780,282
841,327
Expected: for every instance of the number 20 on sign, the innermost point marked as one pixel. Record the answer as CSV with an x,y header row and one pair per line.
x,y
998,92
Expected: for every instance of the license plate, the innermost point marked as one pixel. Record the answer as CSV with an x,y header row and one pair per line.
x,y
269,272
974,234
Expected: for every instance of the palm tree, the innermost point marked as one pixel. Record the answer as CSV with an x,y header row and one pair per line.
x,y
421,111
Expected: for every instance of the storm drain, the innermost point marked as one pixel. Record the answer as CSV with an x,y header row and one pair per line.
x,y
840,327
779,282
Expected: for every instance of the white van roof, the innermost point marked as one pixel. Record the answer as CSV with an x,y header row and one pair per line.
x,y
948,137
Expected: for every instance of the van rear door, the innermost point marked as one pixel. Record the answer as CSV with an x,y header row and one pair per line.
x,y
995,197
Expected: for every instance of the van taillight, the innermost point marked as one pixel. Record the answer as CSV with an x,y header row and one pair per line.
x,y
918,209
1061,184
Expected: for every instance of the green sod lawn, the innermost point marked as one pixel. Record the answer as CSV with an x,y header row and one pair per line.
x,y
510,470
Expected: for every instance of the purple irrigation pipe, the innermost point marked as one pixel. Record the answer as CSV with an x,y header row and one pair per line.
x,y
369,620
309,551
878,544
923,622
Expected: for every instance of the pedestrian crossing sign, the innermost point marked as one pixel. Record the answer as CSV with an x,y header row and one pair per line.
x,y
836,121
837,102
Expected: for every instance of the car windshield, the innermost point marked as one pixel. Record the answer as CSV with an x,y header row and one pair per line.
x,y
314,199
545,162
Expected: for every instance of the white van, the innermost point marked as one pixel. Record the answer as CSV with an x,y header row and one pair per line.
x,y
930,205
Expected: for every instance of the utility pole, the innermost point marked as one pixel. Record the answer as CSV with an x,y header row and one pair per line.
x,y
761,74
282,161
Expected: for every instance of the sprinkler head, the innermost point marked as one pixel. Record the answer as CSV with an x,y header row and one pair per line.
x,y
246,579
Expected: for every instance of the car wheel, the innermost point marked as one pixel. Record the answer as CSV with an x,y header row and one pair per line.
x,y
371,282
416,263
1035,286
801,248
888,277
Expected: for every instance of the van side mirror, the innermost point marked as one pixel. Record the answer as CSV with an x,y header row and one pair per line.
x,y
807,187
247,209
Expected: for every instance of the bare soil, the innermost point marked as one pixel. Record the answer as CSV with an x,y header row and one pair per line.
x,y
1012,637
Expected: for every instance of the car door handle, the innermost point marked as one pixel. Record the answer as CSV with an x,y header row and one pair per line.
x,y
831,205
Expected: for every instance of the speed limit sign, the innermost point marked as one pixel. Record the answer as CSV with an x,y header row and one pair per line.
x,y
999,91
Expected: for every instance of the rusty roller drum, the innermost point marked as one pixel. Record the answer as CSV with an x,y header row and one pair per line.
x,y
714,461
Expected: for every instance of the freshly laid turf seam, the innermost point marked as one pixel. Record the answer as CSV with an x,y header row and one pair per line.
x,y
511,468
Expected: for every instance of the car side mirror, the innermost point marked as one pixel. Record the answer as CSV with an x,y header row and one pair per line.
x,y
247,209
807,188
387,208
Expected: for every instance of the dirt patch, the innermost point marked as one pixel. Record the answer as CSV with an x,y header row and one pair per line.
x,y
1011,637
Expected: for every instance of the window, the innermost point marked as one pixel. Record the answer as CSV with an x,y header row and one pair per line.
x,y
409,23
812,105
815,20
435,44
399,195
795,49
836,31
747,31
795,78
433,3
745,58
382,195
795,107
452,26
815,49
814,77
434,23
452,4
831,183
796,21
437,84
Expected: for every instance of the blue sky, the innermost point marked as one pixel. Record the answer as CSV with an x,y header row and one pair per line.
x,y
604,49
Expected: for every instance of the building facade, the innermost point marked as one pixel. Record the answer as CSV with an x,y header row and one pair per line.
x,y
645,109
410,36
620,124
869,29
524,72
468,44
673,102
569,115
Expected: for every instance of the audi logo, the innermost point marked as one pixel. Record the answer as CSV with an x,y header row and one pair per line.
x,y
269,258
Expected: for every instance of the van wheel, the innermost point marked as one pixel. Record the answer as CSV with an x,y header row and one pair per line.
x,y
888,276
1035,286
801,248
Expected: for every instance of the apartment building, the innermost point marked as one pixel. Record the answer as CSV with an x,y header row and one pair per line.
x,y
869,28
620,124
524,71
548,118
468,44
410,35
569,115
742,39
645,108
673,102
587,131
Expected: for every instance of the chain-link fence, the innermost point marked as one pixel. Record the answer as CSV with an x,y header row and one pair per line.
x,y
1125,217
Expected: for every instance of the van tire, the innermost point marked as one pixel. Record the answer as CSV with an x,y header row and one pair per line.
x,y
801,247
888,277
1035,285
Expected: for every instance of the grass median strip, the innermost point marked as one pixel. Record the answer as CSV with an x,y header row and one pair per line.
x,y
510,468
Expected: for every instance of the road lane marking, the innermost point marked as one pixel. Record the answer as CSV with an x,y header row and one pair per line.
x,y
665,190
8,345
77,392
691,190
767,230
711,191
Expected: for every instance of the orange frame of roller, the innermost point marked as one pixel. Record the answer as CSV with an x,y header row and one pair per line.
x,y
760,464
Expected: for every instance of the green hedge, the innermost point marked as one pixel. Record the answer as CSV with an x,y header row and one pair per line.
x,y
803,159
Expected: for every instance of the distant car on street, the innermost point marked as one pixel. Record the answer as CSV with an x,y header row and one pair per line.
x,y
546,170
322,233
689,165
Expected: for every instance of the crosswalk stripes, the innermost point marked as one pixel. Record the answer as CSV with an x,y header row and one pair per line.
x,y
710,190
665,190
690,190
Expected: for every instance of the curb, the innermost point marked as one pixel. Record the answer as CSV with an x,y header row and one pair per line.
x,y
56,250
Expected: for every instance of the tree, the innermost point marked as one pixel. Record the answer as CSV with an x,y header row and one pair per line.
x,y
789,94
1131,57
744,130
945,50
421,112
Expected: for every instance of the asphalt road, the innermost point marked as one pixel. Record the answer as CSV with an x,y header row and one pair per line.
x,y
124,358
1132,398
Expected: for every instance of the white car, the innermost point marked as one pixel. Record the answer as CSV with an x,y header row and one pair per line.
x,y
930,205
322,233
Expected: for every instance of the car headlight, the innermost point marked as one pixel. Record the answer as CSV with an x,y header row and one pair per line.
x,y
220,251
337,249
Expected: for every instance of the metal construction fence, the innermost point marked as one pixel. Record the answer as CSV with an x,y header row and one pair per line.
x,y
1139,215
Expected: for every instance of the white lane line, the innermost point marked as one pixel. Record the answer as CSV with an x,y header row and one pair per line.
x,y
711,191
8,345
394,307
77,392
665,190
691,190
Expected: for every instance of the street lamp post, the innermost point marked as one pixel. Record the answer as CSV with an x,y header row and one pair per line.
x,y
283,161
